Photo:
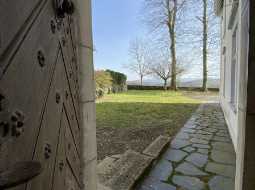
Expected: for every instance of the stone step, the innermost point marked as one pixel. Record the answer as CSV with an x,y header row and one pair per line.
x,y
157,146
121,172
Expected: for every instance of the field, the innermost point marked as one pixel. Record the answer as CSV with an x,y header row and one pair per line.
x,y
133,119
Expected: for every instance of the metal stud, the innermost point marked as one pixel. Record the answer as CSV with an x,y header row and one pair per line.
x,y
17,122
63,40
53,26
59,24
67,94
41,58
58,97
47,151
61,165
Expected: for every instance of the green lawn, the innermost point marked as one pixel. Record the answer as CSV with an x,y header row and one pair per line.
x,y
145,109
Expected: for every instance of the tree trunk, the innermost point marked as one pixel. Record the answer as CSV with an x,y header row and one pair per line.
x,y
165,84
205,39
171,28
141,80
173,53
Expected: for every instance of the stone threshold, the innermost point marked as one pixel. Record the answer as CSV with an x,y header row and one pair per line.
x,y
122,172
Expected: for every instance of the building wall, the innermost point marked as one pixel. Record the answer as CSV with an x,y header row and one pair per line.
x,y
232,110
236,119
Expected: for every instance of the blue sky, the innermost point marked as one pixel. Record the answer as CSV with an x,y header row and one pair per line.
x,y
115,24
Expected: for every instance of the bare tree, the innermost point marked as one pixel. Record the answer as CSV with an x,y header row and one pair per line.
x,y
205,41
162,15
160,66
139,59
202,34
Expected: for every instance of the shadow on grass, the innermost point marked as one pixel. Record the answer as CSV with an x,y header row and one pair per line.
x,y
123,126
140,114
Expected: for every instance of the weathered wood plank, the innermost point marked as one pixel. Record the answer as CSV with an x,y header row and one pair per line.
x,y
71,151
60,164
13,14
46,147
25,86
68,102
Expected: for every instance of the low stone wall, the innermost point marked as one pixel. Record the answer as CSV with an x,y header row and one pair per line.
x,y
138,87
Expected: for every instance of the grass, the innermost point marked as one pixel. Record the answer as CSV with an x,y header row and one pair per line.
x,y
145,109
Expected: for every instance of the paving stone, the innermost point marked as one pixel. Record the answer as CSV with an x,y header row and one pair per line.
x,y
211,130
189,183
174,155
202,136
151,183
221,183
162,170
189,169
200,128
201,146
203,151
203,132
221,169
223,157
199,141
187,130
177,143
182,135
189,149
223,146
197,159
221,139
220,134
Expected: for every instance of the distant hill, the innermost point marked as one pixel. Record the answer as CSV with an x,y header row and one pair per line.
x,y
212,83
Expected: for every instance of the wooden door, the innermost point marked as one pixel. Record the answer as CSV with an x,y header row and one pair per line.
x,y
39,109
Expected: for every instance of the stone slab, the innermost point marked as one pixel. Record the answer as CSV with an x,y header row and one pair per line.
x,y
174,155
221,169
177,143
223,157
223,146
189,169
203,151
189,183
162,170
201,146
189,149
199,141
150,183
221,183
126,171
182,135
105,166
156,147
197,159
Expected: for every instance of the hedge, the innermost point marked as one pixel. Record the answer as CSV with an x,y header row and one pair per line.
x,y
109,82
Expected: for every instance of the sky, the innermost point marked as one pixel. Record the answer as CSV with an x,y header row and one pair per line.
x,y
115,24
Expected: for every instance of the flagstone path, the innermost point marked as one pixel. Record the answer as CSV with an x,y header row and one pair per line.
x,y
200,157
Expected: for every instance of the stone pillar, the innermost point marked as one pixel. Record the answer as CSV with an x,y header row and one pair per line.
x,y
87,96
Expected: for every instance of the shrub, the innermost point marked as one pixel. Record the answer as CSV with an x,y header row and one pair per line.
x,y
104,83
109,81
119,81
